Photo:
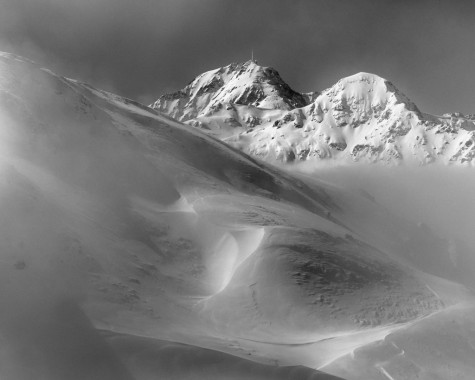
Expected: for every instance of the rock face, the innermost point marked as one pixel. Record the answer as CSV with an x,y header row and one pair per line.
x,y
361,118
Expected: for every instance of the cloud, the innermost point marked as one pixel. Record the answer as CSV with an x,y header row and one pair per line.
x,y
436,195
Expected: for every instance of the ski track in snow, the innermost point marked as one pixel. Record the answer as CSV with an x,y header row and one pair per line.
x,y
433,292
384,372
401,353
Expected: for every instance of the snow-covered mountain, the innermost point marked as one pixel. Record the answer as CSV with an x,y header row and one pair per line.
x,y
361,118
236,84
134,247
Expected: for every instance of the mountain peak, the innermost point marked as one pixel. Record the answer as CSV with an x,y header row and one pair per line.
x,y
364,82
369,90
364,76
246,83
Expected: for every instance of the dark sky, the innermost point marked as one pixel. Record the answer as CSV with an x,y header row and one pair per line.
x,y
144,48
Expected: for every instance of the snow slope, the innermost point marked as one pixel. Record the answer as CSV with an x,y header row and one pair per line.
x,y
361,118
171,240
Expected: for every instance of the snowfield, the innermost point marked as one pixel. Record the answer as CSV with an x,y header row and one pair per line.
x,y
134,246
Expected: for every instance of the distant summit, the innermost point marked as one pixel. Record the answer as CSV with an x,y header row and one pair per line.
x,y
363,117
238,83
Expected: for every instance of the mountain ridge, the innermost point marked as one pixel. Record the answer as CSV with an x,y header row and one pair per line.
x,y
363,117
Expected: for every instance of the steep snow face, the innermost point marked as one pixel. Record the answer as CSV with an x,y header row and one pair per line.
x,y
357,99
361,118
220,91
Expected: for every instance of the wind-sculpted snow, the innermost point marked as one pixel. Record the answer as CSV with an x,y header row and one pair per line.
x,y
304,283
362,118
173,244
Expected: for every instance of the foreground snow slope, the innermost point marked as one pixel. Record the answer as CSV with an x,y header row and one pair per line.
x,y
361,118
157,230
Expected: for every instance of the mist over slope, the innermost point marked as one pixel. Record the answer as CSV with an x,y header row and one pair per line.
x,y
362,118
153,239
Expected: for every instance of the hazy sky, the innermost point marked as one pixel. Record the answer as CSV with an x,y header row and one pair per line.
x,y
144,48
